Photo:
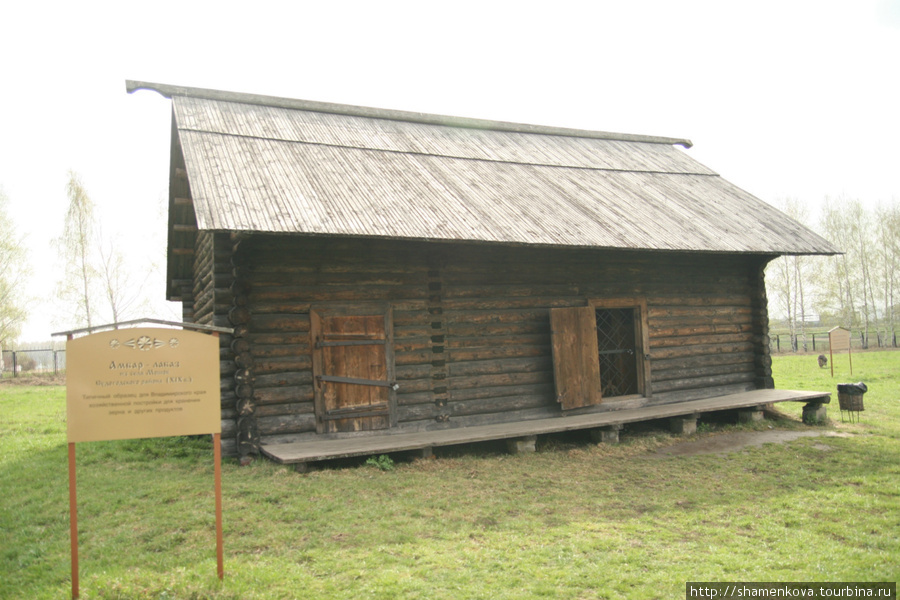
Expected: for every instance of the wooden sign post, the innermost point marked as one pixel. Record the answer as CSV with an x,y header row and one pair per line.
x,y
142,383
839,339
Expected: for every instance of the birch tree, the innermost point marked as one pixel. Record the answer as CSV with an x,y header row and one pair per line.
x,y
14,270
788,279
888,252
76,248
850,283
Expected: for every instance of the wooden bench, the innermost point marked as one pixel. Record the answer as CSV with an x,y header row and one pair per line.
x,y
520,434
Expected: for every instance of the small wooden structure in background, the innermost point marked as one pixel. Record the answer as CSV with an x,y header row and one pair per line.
x,y
839,339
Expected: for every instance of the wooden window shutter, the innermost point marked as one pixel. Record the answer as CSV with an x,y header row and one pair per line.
x,y
576,369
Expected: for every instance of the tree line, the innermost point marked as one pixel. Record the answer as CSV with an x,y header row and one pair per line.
x,y
857,289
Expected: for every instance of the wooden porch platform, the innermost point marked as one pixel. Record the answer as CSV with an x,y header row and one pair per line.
x,y
315,450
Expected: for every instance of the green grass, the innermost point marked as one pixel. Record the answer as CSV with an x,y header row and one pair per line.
x,y
575,520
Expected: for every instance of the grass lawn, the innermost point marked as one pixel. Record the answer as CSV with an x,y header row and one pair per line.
x,y
574,520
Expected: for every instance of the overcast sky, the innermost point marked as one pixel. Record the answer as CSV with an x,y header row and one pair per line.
x,y
784,98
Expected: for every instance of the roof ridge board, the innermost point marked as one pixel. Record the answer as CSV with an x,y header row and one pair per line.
x,y
451,156
168,91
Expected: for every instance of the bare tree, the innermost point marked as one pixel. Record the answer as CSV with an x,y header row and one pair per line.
x,y
836,282
852,284
888,253
14,269
122,286
77,252
788,279
866,256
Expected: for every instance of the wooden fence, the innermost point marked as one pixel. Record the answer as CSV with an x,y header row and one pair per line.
x,y
817,342
32,362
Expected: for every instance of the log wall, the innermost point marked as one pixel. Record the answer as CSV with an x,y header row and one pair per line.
x,y
210,303
471,323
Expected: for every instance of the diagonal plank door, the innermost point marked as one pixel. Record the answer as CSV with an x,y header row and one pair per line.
x,y
576,368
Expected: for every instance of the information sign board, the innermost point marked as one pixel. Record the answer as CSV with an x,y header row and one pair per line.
x,y
839,341
142,382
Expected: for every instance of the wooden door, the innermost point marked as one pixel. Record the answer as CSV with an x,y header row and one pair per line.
x,y
576,370
353,370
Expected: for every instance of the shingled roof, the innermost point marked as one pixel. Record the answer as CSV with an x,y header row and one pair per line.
x,y
275,165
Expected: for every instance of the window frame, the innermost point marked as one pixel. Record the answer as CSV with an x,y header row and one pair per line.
x,y
642,340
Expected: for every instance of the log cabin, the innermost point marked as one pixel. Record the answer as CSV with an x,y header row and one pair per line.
x,y
399,281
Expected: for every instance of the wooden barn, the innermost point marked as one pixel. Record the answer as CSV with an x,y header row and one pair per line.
x,y
399,281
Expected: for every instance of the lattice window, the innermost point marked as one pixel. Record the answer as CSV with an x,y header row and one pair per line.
x,y
617,351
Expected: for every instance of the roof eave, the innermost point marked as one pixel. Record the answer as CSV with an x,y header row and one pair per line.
x,y
169,91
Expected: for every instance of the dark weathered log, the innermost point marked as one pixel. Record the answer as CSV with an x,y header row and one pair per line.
x,y
663,322
413,319
411,386
239,315
499,329
425,356
416,412
660,333
410,398
699,372
507,315
219,321
504,404
281,365
242,376
691,299
319,293
244,361
490,353
274,410
475,342
229,427
280,323
493,367
486,393
764,378
502,379
703,382
286,424
700,340
282,394
658,312
501,302
275,308
489,292
406,373
262,341
698,393
683,351
689,362
241,345
241,287
283,379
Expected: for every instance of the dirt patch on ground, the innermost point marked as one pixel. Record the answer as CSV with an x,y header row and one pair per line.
x,y
738,440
